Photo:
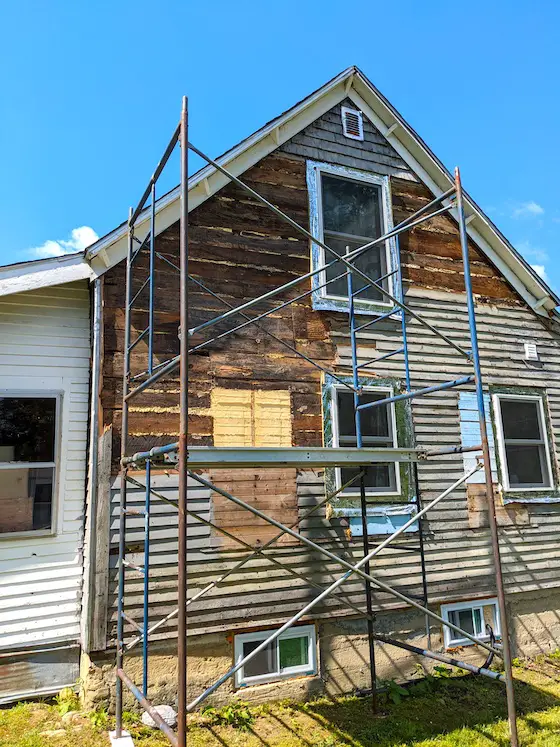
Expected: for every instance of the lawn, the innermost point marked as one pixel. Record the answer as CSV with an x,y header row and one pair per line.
x,y
446,712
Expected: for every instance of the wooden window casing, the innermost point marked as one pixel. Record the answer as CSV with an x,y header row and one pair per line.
x,y
534,439
32,515
337,221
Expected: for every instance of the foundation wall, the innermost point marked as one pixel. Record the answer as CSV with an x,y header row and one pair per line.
x,y
343,664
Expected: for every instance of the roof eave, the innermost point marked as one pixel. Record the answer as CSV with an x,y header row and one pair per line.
x,y
43,273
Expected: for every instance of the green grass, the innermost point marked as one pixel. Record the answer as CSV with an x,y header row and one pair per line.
x,y
455,712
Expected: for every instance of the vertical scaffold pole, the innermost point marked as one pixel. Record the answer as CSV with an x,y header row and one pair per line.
x,y
122,502
413,469
487,465
148,494
363,500
183,427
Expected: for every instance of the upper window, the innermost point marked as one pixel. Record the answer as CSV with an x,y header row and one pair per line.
x,y
348,210
27,462
522,436
378,430
292,654
474,617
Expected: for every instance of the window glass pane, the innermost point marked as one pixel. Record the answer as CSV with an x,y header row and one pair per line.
x,y
525,465
25,499
477,617
520,419
372,262
464,620
375,422
27,429
263,663
293,652
378,477
351,207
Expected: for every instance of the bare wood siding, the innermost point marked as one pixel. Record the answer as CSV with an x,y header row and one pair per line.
x,y
240,250
44,345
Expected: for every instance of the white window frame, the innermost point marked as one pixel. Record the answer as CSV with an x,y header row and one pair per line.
x,y
54,465
314,171
450,637
261,635
502,446
336,440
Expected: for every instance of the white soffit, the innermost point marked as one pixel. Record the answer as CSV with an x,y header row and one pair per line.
x,y
354,85
43,273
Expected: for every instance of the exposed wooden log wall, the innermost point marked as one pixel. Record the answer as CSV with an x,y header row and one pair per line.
x,y
240,250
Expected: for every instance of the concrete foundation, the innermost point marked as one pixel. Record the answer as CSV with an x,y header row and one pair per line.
x,y
343,657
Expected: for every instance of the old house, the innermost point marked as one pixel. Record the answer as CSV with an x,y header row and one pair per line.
x,y
345,164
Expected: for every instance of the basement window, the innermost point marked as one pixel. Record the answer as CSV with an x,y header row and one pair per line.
x,y
378,430
28,446
523,442
292,654
474,617
348,210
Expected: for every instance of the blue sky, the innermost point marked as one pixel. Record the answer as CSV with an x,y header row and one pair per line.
x,y
86,111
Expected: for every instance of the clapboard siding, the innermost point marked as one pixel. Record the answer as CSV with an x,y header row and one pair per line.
x,y
241,250
45,345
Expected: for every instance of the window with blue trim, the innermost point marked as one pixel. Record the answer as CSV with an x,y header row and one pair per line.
x,y
349,209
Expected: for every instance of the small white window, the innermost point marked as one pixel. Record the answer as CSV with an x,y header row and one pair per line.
x,y
522,436
378,430
28,453
475,617
352,123
292,654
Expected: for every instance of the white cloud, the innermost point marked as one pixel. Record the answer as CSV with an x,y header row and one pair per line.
x,y
533,252
527,210
80,239
541,271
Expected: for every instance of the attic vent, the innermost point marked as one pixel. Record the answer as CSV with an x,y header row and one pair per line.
x,y
531,351
352,123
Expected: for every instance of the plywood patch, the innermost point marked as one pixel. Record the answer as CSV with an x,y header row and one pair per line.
x,y
245,417
506,516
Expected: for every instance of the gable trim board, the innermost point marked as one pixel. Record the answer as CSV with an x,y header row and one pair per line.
x,y
350,84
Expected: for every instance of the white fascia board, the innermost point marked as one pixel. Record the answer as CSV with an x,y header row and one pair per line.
x,y
209,180
43,273
421,161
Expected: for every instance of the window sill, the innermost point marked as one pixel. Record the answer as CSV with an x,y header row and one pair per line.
x,y
276,680
464,642
31,534
363,308
525,498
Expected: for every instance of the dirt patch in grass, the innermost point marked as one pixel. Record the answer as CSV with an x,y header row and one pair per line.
x,y
455,712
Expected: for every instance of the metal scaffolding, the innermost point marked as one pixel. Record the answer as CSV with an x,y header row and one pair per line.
x,y
359,457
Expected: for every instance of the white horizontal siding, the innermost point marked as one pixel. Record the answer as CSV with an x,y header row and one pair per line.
x,y
45,345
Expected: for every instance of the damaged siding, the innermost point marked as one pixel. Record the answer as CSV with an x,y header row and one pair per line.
x,y
240,250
